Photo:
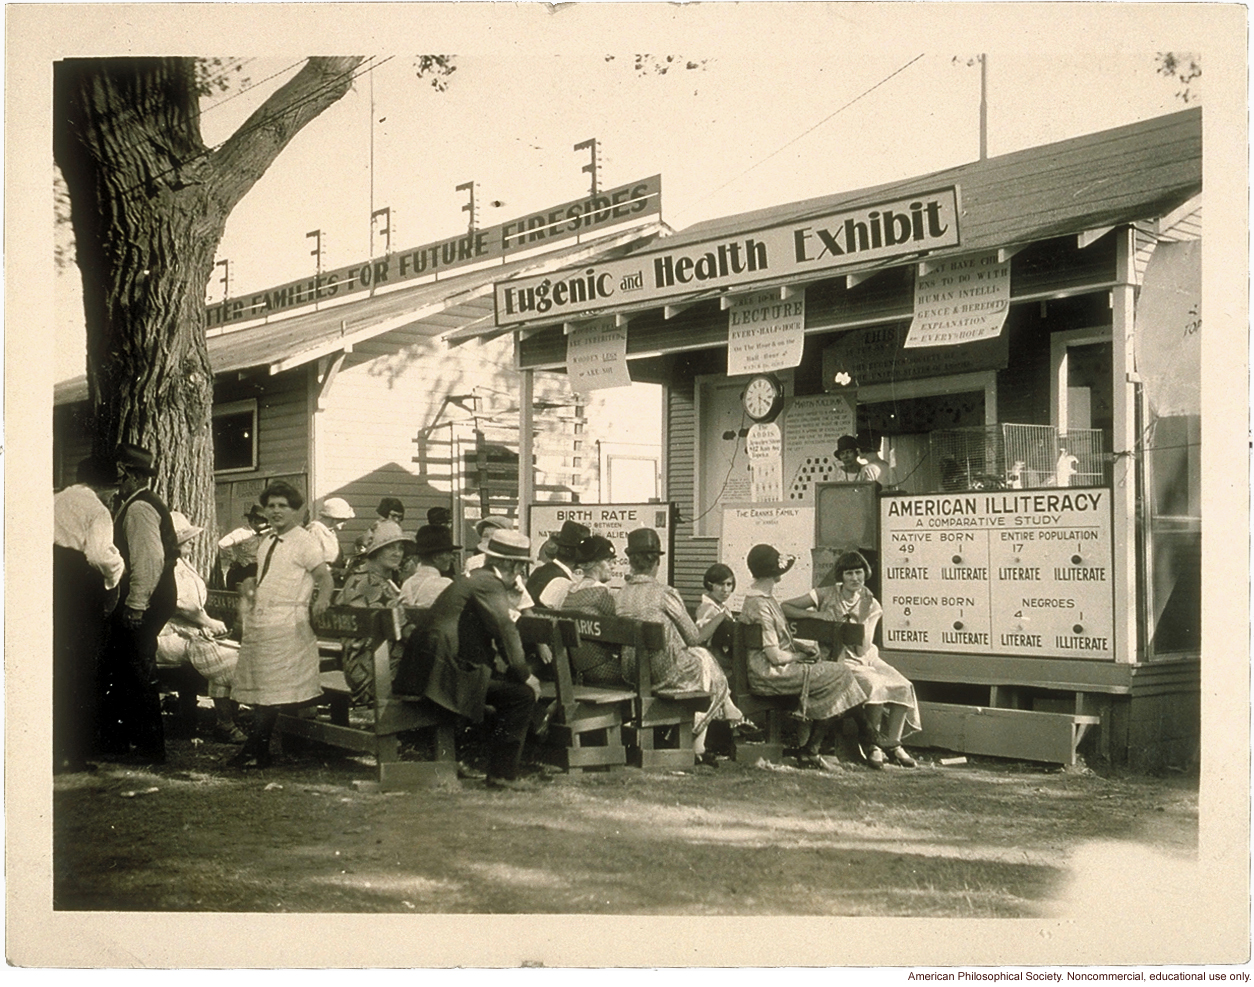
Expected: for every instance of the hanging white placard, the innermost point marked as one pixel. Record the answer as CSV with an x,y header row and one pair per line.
x,y
596,355
765,333
960,300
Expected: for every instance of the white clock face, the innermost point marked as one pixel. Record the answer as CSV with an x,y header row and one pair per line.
x,y
760,397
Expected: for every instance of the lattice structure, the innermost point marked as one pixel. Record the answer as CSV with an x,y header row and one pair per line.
x,y
1010,456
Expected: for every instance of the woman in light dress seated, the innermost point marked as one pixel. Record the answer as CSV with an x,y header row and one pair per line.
x,y
891,705
192,637
681,663
784,666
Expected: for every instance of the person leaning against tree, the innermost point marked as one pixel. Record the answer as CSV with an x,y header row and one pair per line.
x,y
278,655
144,534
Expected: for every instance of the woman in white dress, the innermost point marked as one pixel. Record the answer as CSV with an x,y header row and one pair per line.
x,y
891,705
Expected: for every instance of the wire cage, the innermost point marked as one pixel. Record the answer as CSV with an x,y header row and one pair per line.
x,y
1013,457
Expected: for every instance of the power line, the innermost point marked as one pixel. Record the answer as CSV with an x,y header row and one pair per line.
x,y
265,120
244,89
808,131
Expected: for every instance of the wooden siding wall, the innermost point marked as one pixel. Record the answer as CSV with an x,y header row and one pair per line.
x,y
282,419
692,556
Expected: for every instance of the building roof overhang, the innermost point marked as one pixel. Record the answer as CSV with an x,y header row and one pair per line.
x,y
436,307
1084,186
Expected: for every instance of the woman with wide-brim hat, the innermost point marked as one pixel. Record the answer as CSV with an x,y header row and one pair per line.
x,y
681,663
891,705
784,666
372,585
191,637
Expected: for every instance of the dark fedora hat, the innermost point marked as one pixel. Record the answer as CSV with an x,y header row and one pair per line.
x,y
432,539
765,560
136,459
644,540
594,548
572,534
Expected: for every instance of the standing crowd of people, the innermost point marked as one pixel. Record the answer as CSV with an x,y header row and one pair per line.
x,y
126,602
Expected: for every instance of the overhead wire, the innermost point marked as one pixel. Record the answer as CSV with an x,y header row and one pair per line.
x,y
809,130
368,66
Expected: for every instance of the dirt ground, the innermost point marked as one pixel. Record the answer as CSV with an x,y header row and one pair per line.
x,y
313,834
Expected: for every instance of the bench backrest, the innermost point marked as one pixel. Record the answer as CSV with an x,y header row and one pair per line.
x,y
748,637
617,633
334,622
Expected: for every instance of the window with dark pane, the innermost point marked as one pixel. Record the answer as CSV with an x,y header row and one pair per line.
x,y
235,437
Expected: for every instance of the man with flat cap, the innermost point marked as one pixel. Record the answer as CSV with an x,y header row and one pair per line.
x,y
144,534
86,570
550,583
450,656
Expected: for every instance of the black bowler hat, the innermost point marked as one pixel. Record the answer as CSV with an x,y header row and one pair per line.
x,y
136,459
432,539
644,540
572,534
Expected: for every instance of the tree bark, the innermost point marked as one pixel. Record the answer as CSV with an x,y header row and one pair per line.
x,y
149,204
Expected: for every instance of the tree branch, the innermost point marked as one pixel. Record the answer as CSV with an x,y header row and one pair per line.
x,y
244,158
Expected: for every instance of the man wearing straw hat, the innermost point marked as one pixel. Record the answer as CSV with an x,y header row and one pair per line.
x,y
450,656
331,517
144,534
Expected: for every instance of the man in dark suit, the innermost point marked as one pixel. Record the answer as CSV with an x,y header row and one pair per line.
x,y
144,534
457,644
550,583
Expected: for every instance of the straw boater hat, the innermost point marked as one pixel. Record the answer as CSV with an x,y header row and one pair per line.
x,y
504,544
385,533
338,509
765,560
184,530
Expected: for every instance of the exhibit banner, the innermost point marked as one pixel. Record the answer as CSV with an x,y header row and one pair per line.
x,y
788,529
1000,573
846,239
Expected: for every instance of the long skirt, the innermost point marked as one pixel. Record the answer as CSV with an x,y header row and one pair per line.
x,y
824,688
278,658
884,684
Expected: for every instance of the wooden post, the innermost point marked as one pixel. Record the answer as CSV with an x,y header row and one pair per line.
x,y
1123,514
526,475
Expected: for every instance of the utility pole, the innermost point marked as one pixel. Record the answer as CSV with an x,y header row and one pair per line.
x,y
591,167
983,107
471,205
316,253
386,213
226,278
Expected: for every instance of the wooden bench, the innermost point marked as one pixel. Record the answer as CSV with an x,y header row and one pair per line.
x,y
387,717
586,729
658,732
768,712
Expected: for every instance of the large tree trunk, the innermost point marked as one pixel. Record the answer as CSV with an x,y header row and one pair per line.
x,y
149,207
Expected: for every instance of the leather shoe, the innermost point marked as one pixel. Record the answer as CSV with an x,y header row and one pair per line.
x,y
900,755
467,773
708,759
875,758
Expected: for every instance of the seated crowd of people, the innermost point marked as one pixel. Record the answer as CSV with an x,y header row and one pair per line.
x,y
459,646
